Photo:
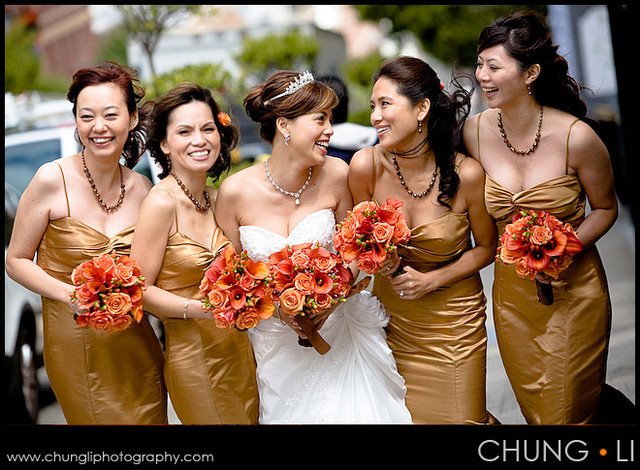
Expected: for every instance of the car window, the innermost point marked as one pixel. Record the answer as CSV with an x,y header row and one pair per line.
x,y
22,160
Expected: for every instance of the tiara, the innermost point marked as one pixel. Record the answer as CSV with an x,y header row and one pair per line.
x,y
294,85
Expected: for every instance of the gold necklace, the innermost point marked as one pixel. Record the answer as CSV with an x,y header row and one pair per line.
x,y
199,207
284,191
95,190
506,141
402,182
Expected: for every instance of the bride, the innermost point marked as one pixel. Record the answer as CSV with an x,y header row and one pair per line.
x,y
295,197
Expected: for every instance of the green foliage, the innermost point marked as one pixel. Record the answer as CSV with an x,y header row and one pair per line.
x,y
449,32
357,74
21,64
114,45
211,76
291,50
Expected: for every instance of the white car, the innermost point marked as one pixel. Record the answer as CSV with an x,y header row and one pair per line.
x,y
25,152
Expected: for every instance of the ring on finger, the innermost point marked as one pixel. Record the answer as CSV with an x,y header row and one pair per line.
x,y
402,293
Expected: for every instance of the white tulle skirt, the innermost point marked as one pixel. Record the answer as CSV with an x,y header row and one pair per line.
x,y
356,382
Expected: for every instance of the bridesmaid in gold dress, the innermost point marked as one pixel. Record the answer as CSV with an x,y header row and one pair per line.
x,y
437,305
75,208
539,153
209,372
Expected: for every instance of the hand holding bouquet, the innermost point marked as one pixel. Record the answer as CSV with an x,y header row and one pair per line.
x,y
370,232
537,242
109,290
237,290
309,279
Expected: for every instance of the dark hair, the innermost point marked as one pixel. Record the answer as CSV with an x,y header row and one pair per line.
x,y
161,108
416,80
125,79
341,111
527,38
311,97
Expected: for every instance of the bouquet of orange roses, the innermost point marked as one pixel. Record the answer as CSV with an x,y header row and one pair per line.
x,y
370,232
237,290
109,290
537,242
309,279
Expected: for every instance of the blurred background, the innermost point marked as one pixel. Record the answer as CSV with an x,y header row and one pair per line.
x,y
228,49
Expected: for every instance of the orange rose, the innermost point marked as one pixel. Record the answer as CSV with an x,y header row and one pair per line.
x,y
389,215
247,319
523,269
540,235
325,263
124,274
304,283
85,298
367,264
120,323
218,298
348,229
382,232
348,252
247,282
300,260
224,318
101,321
118,303
105,263
401,233
323,301
291,301
365,206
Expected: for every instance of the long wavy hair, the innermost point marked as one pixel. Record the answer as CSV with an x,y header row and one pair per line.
x,y
416,80
126,80
261,108
527,38
159,111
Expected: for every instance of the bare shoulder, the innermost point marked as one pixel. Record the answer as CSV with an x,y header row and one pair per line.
x,y
236,184
48,177
159,200
362,162
470,170
336,167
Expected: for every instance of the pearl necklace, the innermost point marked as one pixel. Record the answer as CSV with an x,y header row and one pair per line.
x,y
284,191
95,190
402,182
506,141
199,207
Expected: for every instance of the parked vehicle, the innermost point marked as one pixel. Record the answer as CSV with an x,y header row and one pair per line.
x,y
23,343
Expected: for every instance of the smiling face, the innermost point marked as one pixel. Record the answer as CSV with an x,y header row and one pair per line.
x,y
103,120
193,140
394,117
310,135
502,79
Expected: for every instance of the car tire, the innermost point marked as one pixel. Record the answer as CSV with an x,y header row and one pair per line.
x,y
23,379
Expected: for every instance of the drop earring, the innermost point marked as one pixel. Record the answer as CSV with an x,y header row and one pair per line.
x,y
287,138
419,127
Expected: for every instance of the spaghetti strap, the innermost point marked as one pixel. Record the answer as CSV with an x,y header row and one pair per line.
x,y
64,184
566,157
478,133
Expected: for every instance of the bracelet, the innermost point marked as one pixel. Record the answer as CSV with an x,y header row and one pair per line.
x,y
184,310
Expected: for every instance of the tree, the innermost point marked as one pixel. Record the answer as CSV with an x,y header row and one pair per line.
x,y
291,50
449,32
211,76
146,23
21,65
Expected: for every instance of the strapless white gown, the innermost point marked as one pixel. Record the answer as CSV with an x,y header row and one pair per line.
x,y
356,382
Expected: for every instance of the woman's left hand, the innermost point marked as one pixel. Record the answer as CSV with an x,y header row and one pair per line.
x,y
321,317
412,284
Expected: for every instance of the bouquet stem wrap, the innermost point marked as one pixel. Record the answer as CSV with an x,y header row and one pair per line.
x,y
313,337
545,293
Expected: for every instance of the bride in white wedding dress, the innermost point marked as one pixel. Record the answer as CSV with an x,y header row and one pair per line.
x,y
356,382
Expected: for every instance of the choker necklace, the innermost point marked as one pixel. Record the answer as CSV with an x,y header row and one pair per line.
x,y
402,182
284,191
417,148
199,207
506,141
95,190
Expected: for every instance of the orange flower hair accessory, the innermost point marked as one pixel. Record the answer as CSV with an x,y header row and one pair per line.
x,y
224,119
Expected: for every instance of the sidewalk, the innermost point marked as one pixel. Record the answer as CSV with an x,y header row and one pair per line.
x,y
617,249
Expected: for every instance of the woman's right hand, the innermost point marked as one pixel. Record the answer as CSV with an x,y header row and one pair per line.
x,y
390,265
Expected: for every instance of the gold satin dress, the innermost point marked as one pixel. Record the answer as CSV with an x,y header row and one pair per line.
x,y
439,341
554,356
97,377
210,372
